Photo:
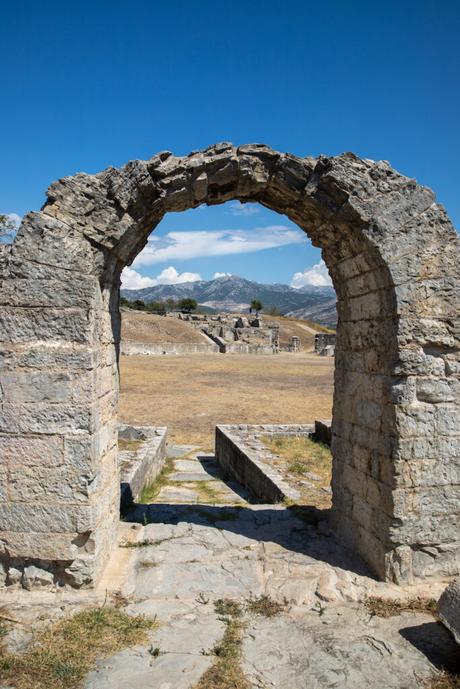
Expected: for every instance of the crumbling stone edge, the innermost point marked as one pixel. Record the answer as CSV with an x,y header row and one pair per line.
x,y
243,456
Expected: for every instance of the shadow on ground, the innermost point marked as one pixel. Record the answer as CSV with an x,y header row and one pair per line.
x,y
436,644
299,529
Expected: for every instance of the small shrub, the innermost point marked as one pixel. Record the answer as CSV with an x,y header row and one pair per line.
x,y
298,467
227,607
264,605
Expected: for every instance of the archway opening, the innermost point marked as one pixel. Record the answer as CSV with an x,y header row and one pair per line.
x,y
223,361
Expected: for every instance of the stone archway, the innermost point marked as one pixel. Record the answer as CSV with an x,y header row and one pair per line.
x,y
393,256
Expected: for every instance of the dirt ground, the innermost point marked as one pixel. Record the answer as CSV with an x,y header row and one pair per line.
x,y
191,394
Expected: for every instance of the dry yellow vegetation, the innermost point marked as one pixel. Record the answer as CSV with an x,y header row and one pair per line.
x,y
138,326
192,394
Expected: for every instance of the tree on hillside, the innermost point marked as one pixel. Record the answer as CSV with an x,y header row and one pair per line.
x,y
7,228
125,302
256,305
138,304
170,304
158,307
187,305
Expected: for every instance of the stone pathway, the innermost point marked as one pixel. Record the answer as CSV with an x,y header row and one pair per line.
x,y
197,478
193,553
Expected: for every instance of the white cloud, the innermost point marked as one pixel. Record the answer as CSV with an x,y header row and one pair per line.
x,y
317,275
245,209
131,279
220,275
186,245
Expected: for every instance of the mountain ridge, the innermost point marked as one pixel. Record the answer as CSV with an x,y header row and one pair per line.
x,y
234,293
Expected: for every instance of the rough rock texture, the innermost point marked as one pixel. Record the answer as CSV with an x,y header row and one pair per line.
x,y
141,464
394,259
449,608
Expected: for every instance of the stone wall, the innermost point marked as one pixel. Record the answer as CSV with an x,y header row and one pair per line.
x,y
243,456
140,465
393,256
148,349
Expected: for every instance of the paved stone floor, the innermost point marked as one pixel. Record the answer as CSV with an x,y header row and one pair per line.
x,y
191,552
200,552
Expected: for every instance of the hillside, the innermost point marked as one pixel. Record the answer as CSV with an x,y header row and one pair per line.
x,y
148,328
324,313
138,326
233,293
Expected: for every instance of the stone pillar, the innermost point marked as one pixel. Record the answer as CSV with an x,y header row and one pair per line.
x,y
59,491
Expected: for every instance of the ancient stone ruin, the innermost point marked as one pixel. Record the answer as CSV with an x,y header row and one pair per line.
x,y
235,334
325,344
394,260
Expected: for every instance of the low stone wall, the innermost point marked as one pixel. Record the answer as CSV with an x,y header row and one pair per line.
x,y
241,453
247,348
132,348
140,466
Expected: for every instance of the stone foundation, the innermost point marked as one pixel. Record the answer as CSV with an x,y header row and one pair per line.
x,y
243,456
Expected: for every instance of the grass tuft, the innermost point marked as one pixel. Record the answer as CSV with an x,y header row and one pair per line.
x,y
150,492
226,607
62,654
264,605
296,456
226,672
384,607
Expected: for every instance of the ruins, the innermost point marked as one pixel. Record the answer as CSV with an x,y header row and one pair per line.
x,y
393,256
325,344
237,334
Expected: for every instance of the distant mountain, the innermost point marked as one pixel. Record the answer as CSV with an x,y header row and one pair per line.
x,y
233,293
324,313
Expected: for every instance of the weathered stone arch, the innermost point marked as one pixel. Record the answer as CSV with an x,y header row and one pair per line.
x,y
394,259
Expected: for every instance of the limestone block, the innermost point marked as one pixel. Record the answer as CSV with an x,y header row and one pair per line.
x,y
416,362
53,242
80,572
45,418
51,291
49,484
403,390
34,386
19,325
35,577
14,576
48,519
448,419
54,546
449,608
54,356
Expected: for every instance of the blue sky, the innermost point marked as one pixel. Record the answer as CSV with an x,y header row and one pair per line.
x,y
90,84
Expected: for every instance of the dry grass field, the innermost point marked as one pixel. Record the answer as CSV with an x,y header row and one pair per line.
x,y
191,394
137,326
